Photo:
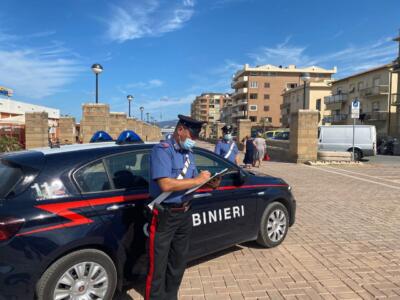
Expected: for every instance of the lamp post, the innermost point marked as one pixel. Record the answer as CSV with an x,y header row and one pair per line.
x,y
130,98
305,78
141,112
147,117
97,69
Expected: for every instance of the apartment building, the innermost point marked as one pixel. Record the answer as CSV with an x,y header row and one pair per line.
x,y
374,88
207,107
311,96
258,90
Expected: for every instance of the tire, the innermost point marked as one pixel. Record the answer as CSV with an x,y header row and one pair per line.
x,y
88,261
357,154
267,236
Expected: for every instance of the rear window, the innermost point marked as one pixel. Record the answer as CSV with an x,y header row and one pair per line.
x,y
10,177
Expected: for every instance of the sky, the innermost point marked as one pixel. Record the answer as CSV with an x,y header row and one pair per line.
x,y
165,52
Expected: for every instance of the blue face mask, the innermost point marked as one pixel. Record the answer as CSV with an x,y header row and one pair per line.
x,y
187,144
227,137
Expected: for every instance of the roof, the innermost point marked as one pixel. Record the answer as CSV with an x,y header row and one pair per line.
x,y
363,72
288,69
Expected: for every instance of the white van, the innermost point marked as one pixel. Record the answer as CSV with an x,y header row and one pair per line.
x,y
340,138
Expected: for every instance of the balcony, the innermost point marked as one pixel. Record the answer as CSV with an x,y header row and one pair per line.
x,y
338,98
240,102
374,91
284,105
238,114
335,118
239,81
376,116
239,92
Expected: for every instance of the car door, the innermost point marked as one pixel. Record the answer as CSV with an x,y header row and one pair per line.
x,y
223,216
117,188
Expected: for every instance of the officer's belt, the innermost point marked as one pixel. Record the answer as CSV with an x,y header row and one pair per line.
x,y
165,195
230,150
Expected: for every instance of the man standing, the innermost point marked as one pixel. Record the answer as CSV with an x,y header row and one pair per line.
x,y
227,148
173,171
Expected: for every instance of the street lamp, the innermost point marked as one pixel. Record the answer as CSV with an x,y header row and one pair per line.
x,y
147,117
306,77
97,69
130,98
141,112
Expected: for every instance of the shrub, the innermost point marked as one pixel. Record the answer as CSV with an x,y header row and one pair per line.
x,y
8,143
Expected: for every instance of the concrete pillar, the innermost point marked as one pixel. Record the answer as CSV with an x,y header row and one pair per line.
x,y
67,131
207,131
117,123
36,130
95,117
304,136
244,129
218,131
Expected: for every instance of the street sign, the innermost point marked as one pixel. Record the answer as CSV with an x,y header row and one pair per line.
x,y
355,109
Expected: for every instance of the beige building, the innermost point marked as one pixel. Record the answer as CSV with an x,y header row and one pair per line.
x,y
258,90
207,107
293,100
373,88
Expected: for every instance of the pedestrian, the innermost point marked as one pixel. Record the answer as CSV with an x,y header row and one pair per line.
x,y
260,148
249,152
227,147
173,171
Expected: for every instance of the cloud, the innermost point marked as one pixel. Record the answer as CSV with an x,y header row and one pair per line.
x,y
148,19
150,84
35,72
349,59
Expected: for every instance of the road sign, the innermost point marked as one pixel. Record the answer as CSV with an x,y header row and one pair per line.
x,y
355,109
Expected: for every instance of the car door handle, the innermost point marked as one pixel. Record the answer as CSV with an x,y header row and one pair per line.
x,y
119,206
196,196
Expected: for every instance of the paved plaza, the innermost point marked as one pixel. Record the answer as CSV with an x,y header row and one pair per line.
x,y
344,244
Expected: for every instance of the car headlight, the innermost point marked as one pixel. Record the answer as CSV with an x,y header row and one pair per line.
x,y
289,188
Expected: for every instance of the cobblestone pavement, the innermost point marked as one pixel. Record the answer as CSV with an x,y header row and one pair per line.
x,y
344,245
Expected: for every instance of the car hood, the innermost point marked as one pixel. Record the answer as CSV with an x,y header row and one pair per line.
x,y
260,178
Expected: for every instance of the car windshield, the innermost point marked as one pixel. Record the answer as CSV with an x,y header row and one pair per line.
x,y
10,176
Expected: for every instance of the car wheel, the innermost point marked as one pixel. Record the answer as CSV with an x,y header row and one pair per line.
x,y
357,155
274,225
84,274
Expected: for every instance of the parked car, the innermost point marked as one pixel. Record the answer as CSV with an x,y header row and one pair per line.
x,y
340,138
72,219
272,133
283,135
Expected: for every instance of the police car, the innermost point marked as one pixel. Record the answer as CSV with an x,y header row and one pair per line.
x,y
73,222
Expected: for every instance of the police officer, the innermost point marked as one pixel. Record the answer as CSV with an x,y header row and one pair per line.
x,y
173,171
226,147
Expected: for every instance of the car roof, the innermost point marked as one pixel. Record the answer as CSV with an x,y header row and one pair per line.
x,y
81,147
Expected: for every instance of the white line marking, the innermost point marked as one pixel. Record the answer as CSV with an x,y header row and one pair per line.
x,y
376,177
361,179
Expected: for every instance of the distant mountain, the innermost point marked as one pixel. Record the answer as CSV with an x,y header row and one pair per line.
x,y
167,123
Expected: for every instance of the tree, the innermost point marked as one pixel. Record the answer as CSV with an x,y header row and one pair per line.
x,y
8,143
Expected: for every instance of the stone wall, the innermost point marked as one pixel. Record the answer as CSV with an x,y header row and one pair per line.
x,y
95,117
304,136
67,132
36,130
117,124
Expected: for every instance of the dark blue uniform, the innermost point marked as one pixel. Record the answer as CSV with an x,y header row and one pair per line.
x,y
171,223
222,148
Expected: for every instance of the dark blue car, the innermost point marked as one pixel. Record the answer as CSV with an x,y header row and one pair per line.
x,y
73,221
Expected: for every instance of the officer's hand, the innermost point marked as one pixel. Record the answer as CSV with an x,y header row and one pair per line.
x,y
214,183
203,176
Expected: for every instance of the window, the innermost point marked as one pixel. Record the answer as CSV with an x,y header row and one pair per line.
x,y
212,164
93,178
318,104
291,85
253,119
267,85
9,178
253,108
266,108
376,81
129,170
266,96
375,106
253,96
211,106
253,84
360,86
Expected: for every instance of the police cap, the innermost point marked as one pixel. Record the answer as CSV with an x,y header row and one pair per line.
x,y
227,129
193,125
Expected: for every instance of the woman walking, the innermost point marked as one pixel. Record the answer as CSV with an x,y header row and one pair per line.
x,y
249,152
260,148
